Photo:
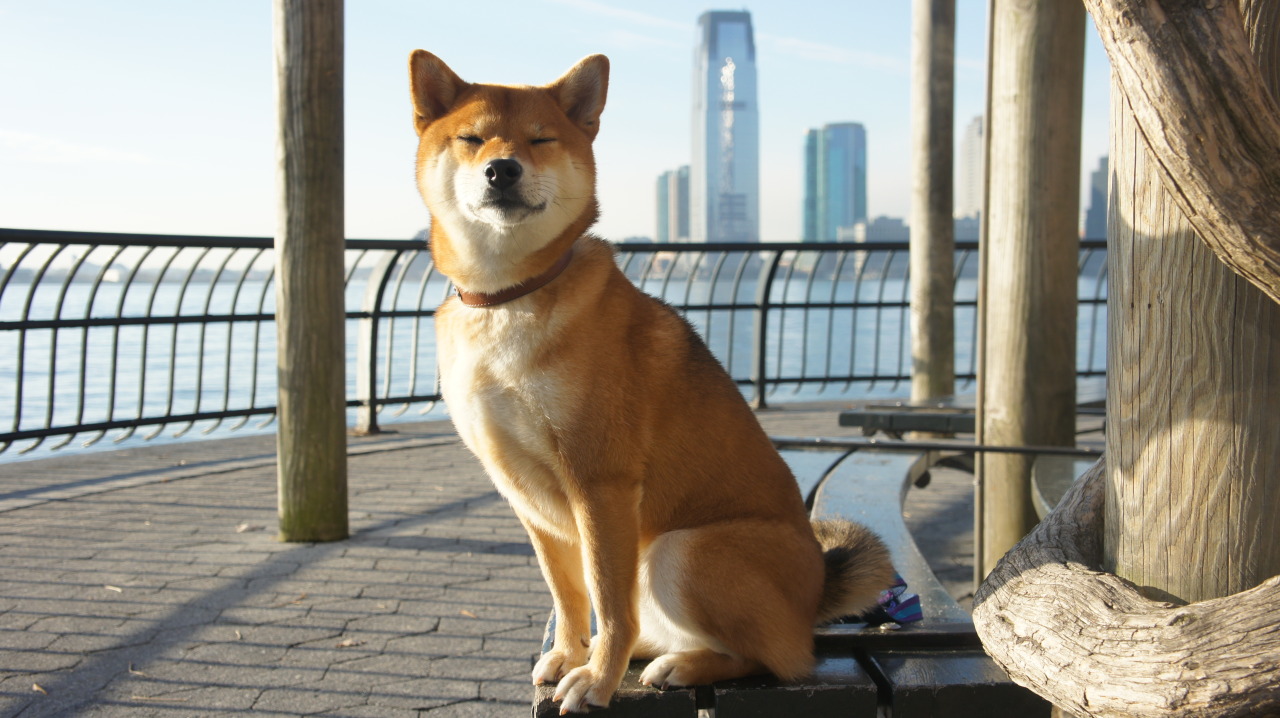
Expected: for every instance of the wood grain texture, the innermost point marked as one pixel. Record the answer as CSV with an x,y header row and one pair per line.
x,y
1031,244
933,231
1220,162
311,439
1194,392
1093,645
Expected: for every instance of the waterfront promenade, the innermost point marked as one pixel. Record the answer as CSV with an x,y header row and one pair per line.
x,y
149,582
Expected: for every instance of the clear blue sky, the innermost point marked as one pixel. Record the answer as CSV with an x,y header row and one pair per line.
x,y
158,115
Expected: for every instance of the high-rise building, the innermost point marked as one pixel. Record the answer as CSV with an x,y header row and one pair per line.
x,y
673,205
970,175
724,176
1095,219
835,180
812,139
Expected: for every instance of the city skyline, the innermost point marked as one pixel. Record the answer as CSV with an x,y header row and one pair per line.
x,y
159,117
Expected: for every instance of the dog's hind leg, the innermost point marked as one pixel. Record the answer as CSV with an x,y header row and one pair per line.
x,y
697,668
743,596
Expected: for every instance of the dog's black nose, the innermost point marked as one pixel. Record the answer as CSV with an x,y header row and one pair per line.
x,y
503,173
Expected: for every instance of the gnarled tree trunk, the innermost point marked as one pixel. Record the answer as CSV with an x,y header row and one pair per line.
x,y
1192,490
1090,643
1193,443
1203,108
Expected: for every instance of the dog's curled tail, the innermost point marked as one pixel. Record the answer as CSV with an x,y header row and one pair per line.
x,y
858,568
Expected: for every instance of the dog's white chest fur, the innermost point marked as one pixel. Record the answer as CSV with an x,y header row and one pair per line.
x,y
505,403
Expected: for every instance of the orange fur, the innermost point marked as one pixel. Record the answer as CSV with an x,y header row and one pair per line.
x,y
647,486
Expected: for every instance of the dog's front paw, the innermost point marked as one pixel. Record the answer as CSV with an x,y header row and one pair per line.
x,y
554,665
584,687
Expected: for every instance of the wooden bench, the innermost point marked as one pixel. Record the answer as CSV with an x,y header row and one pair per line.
x,y
933,667
951,415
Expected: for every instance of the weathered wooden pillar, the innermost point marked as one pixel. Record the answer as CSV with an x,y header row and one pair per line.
x,y
1187,503
1031,247
311,441
932,228
1193,500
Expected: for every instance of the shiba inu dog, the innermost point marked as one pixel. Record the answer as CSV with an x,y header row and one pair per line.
x,y
646,484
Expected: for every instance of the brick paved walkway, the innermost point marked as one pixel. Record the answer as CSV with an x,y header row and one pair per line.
x,y
149,582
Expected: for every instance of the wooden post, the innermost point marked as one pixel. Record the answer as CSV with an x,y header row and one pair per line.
x,y
1187,503
1193,510
311,441
1032,242
932,228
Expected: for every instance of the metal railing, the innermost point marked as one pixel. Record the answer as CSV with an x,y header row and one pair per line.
x,y
103,333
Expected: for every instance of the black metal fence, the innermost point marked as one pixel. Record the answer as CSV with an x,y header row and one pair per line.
x,y
122,334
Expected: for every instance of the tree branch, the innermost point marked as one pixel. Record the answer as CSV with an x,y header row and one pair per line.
x,y
1091,644
1208,120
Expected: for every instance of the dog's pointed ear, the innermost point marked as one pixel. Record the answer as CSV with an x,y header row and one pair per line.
x,y
581,93
434,88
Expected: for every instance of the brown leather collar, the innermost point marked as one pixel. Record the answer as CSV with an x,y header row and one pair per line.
x,y
528,286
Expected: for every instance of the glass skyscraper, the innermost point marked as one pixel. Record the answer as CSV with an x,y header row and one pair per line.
x,y
673,205
835,180
724,182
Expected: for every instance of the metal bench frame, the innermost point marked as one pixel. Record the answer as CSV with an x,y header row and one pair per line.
x,y
934,667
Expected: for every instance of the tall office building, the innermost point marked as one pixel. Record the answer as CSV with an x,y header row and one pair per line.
x,y
970,174
835,180
812,139
673,205
1095,219
724,176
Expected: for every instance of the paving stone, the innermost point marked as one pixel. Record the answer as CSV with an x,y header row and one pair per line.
x,y
27,640
437,589
15,620
207,699
80,643
33,661
317,656
514,688
375,711
398,591
424,693
394,625
434,645
479,666
282,635
479,709
349,645
513,642
262,615
20,686
174,708
496,612
354,606
308,698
